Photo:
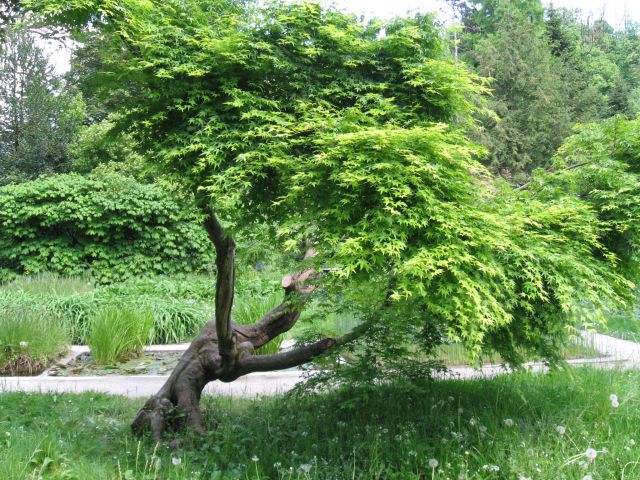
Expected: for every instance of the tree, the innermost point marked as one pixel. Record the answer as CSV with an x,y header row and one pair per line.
x,y
349,139
528,97
38,119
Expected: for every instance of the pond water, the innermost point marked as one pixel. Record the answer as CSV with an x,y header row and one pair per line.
x,y
148,363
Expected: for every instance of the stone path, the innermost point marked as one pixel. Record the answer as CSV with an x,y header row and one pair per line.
x,y
617,354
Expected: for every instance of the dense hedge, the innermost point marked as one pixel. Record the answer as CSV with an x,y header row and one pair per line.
x,y
110,227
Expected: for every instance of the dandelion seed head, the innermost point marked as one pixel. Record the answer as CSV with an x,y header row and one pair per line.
x,y
176,460
433,463
591,454
561,430
508,422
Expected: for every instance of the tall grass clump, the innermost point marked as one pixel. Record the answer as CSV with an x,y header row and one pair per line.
x,y
50,284
30,338
117,332
249,309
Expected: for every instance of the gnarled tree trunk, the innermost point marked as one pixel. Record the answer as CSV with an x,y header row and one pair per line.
x,y
224,350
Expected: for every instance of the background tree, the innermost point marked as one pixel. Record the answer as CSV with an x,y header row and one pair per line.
x,y
527,96
349,138
38,118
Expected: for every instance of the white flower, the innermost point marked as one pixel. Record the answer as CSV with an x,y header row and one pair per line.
x,y
24,344
176,460
615,404
591,454
254,458
613,397
522,477
491,468
508,422
305,467
277,465
632,442
587,477
473,422
433,463
561,430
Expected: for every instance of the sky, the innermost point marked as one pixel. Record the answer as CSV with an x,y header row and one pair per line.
x,y
614,12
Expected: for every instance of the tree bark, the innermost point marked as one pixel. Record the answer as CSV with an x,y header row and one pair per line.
x,y
224,350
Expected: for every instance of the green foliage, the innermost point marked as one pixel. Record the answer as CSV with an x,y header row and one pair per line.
x,y
528,98
110,227
97,144
39,118
352,137
180,305
600,164
117,332
174,319
30,337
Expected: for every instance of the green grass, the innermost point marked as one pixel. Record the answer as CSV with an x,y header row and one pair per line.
x,y
624,326
29,339
249,309
50,284
386,432
118,332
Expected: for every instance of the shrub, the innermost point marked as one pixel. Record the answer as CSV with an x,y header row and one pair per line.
x,y
117,332
29,339
110,227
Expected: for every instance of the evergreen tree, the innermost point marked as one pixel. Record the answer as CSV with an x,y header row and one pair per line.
x,y
37,119
533,117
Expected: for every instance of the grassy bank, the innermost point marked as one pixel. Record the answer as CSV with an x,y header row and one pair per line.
x,y
515,427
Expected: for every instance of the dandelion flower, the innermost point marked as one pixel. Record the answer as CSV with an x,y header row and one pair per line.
x,y
508,422
591,454
561,430
433,463
176,460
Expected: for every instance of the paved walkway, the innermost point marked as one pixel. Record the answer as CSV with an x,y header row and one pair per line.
x,y
617,354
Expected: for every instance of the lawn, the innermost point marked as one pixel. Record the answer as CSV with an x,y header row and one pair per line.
x,y
513,427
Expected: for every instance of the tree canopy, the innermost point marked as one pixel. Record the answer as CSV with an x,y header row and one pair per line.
x,y
352,137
